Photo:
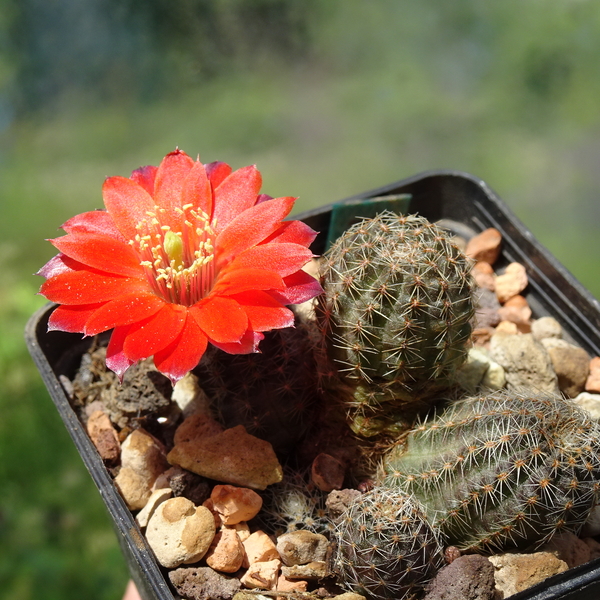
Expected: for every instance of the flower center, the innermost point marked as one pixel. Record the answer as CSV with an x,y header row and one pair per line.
x,y
179,265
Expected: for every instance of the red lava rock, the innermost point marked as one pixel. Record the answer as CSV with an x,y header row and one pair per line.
x,y
484,276
262,575
327,473
196,426
512,282
289,585
226,553
469,577
104,436
208,503
232,456
593,381
235,504
259,547
517,311
485,246
242,530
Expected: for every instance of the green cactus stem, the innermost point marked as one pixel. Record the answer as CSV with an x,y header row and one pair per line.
x,y
396,314
385,546
502,471
274,393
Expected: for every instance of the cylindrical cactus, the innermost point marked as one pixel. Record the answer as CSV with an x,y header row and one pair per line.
x,y
396,311
385,546
502,471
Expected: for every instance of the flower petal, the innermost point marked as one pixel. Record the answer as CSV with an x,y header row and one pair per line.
x,y
300,287
184,353
284,259
58,264
235,194
95,221
168,187
71,318
264,312
293,231
116,360
101,252
242,280
221,319
127,203
251,227
196,189
89,287
154,334
145,176
217,171
123,310
248,343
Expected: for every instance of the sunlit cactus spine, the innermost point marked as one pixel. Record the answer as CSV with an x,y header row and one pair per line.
x,y
396,313
386,548
502,471
294,503
274,393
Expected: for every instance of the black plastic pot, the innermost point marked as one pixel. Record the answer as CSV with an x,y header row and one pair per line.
x,y
464,204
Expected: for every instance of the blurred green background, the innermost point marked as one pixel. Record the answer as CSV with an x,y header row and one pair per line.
x,y
328,97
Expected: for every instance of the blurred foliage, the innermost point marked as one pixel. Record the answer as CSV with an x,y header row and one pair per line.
x,y
328,97
137,50
215,35
55,533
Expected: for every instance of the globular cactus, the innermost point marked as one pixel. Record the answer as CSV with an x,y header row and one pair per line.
x,y
396,313
502,471
386,548
294,504
274,393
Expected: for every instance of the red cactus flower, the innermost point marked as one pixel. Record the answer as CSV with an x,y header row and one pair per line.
x,y
185,254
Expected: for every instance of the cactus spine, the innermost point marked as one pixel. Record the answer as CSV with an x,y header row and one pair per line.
x,y
294,504
396,312
385,546
274,393
502,471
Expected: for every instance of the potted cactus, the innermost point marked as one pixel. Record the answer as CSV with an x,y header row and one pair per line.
x,y
381,348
